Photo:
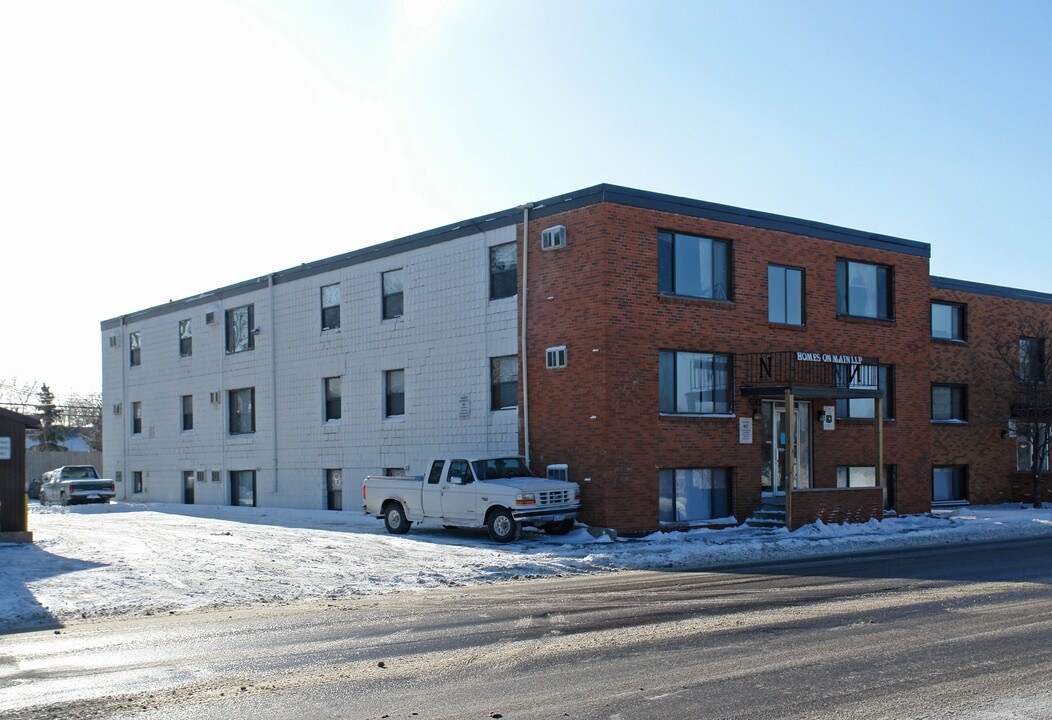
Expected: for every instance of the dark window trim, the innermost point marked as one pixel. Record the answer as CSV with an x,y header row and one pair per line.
x,y
494,392
186,343
251,322
803,296
387,301
964,479
183,425
232,411
667,266
962,321
389,397
332,407
889,290
731,480
675,379
964,403
511,272
330,320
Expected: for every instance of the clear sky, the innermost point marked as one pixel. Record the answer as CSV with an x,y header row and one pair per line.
x,y
154,150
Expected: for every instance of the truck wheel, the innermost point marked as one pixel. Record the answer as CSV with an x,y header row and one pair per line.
x,y
395,519
63,500
502,526
42,497
559,528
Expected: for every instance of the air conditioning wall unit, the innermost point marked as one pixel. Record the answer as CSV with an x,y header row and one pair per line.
x,y
115,341
116,408
555,357
215,397
553,238
210,318
558,472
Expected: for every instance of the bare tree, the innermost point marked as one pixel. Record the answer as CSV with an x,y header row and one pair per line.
x,y
84,412
18,394
1020,351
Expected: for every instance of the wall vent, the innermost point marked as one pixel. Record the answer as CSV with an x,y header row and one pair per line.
x,y
558,472
555,357
553,238
115,341
215,476
215,397
200,476
210,318
116,408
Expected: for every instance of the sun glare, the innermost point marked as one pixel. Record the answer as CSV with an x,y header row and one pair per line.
x,y
421,13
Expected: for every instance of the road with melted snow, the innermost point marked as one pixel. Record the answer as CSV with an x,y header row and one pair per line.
x,y
948,632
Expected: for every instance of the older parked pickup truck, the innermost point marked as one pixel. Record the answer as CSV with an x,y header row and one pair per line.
x,y
71,484
496,492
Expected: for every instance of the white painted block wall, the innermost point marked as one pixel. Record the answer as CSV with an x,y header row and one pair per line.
x,y
444,341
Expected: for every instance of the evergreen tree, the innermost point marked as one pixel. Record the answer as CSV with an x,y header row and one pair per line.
x,y
51,432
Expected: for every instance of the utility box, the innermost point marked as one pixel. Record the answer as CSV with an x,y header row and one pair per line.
x,y
14,519
829,417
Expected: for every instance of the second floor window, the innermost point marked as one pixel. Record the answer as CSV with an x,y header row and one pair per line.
x,y
240,323
186,340
392,291
394,393
330,307
333,399
1031,360
863,290
694,266
136,418
504,382
695,383
502,266
947,321
785,295
134,349
242,411
948,403
187,406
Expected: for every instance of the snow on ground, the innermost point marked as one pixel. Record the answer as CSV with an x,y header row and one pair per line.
x,y
135,559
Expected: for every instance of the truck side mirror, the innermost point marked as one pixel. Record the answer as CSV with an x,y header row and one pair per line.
x,y
456,480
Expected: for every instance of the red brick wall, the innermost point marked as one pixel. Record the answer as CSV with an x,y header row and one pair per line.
x,y
836,506
991,459
599,297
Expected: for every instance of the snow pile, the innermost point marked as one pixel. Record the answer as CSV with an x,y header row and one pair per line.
x,y
127,559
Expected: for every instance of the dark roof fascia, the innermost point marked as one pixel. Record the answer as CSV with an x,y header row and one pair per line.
x,y
944,283
19,418
544,208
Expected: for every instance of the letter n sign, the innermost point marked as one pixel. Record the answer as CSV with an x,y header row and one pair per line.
x,y
765,366
855,376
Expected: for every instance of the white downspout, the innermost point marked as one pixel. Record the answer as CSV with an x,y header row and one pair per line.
x,y
522,330
273,382
126,477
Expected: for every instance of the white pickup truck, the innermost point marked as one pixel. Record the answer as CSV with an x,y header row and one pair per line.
x,y
71,484
496,492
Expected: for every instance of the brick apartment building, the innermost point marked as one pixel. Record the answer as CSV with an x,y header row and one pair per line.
x,y
664,339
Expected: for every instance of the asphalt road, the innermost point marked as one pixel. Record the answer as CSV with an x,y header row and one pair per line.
x,y
949,632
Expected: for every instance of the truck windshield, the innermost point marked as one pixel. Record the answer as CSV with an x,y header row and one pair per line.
x,y
501,468
79,473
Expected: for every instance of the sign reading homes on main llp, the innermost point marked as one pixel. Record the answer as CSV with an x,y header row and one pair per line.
x,y
835,359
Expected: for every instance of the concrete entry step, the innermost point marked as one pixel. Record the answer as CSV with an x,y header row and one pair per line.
x,y
770,515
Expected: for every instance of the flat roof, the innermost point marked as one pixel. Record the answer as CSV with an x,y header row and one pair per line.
x,y
944,283
544,208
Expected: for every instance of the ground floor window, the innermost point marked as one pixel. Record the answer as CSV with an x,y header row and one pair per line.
x,y
949,483
137,481
188,486
1024,457
243,487
692,494
865,476
334,490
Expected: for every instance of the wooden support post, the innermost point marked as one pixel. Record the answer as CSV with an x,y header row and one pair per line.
x,y
878,416
790,458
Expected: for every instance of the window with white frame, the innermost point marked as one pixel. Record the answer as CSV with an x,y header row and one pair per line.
x,y
504,382
330,307
555,357
694,266
394,393
240,323
502,267
863,290
694,494
333,398
391,282
695,383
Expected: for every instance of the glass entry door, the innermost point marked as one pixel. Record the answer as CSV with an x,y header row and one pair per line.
x,y
774,439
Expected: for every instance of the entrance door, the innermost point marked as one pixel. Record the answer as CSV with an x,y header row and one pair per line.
x,y
774,441
188,487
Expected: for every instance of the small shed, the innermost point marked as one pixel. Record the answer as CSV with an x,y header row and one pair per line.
x,y
14,519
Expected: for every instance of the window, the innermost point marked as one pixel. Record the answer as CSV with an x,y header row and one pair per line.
x,y
243,488
435,475
695,383
863,476
394,393
330,307
187,406
333,490
694,266
863,290
948,403
555,357
242,411
186,340
785,295
1024,456
136,418
394,472
333,410
188,487
692,494
137,481
135,349
865,377
504,382
1031,360
947,321
949,484
240,324
502,265
392,289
